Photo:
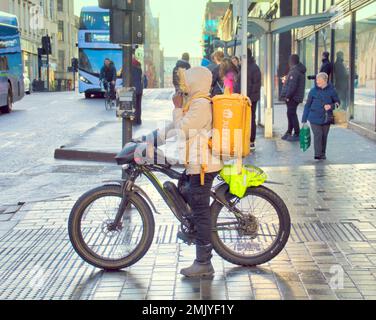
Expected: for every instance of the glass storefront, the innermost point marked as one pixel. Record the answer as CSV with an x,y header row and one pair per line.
x,y
354,57
309,59
324,43
342,61
365,66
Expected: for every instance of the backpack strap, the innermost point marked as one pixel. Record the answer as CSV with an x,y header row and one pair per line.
x,y
204,167
197,96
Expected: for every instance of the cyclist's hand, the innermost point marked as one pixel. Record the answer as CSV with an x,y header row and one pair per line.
x,y
177,99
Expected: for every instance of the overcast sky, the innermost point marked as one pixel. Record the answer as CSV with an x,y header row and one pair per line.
x,y
181,24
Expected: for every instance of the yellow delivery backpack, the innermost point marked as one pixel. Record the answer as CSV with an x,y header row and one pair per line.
x,y
231,136
231,126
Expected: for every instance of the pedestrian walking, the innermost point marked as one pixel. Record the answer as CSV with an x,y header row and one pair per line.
x,y
253,92
137,82
217,83
341,79
293,93
146,82
318,110
326,65
183,63
236,61
229,76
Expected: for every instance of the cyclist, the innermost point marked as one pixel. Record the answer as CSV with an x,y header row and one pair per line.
x,y
108,76
193,126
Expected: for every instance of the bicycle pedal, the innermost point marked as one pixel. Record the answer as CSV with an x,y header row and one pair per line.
x,y
187,239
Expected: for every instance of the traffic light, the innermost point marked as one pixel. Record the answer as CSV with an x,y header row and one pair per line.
x,y
74,64
46,44
127,20
124,5
208,48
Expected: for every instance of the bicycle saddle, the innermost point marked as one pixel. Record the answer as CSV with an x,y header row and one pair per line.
x,y
139,153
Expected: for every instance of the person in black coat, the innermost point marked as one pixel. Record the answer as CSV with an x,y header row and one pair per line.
x,y
293,93
183,63
217,84
108,73
341,79
137,82
253,91
326,66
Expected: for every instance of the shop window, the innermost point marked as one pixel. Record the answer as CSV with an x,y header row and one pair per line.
x,y
365,66
342,61
310,59
324,41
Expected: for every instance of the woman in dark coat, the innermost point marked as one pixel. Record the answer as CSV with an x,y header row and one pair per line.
x,y
318,110
137,82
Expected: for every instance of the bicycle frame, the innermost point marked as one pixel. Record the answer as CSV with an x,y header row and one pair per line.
x,y
134,171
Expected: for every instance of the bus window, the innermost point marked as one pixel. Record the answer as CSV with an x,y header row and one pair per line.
x,y
95,21
4,66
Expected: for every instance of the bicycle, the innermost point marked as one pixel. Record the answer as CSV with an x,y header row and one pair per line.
x,y
108,102
112,227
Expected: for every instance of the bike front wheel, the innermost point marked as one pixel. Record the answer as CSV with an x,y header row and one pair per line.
x,y
256,232
95,237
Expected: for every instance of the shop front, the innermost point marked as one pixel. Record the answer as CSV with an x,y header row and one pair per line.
x,y
351,42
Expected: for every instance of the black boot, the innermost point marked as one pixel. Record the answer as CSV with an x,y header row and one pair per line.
x,y
202,266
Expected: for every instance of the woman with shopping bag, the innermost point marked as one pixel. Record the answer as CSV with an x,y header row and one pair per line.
x,y
322,101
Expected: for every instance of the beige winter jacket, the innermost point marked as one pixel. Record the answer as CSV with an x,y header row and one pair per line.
x,y
193,128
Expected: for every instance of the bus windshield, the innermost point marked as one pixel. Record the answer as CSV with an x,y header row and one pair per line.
x,y
10,51
95,21
92,60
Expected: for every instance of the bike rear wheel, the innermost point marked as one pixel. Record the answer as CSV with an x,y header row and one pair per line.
x,y
256,238
100,243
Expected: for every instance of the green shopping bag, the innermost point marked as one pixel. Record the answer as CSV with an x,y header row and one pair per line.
x,y
305,137
251,176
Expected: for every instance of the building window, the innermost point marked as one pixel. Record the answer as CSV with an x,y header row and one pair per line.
x,y
365,66
342,61
60,5
60,32
62,60
52,9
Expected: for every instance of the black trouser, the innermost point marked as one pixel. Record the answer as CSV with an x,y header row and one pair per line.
x,y
138,108
292,117
320,133
112,89
199,200
253,124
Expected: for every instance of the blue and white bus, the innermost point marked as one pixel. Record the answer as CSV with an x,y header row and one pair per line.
x,y
94,47
11,67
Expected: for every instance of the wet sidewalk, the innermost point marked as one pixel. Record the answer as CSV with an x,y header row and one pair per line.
x,y
344,145
331,253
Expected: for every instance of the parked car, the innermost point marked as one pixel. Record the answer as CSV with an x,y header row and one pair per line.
x,y
27,84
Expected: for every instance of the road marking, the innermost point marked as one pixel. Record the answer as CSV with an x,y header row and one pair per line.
x,y
6,145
